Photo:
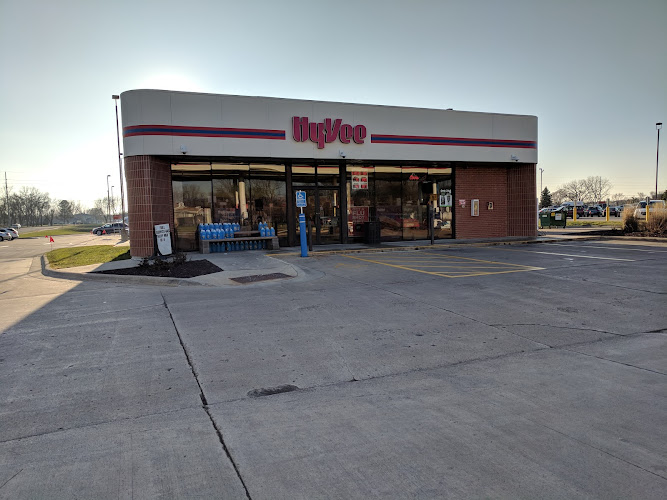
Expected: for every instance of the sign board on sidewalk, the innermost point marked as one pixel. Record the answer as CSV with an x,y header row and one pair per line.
x,y
163,237
301,199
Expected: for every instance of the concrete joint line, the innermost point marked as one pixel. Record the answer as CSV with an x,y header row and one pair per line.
x,y
202,396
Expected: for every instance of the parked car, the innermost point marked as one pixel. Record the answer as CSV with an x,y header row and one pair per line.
x,y
594,211
14,232
16,226
640,211
5,235
615,211
109,228
580,211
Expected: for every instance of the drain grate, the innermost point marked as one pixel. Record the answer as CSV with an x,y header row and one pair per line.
x,y
257,393
260,277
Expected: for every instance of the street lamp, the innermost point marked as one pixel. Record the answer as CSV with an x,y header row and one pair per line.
x,y
113,203
108,198
541,172
658,126
123,233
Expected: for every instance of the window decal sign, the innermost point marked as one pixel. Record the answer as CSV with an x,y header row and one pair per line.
x,y
359,180
326,131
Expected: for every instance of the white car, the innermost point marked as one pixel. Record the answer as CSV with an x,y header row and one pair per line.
x,y
640,211
6,235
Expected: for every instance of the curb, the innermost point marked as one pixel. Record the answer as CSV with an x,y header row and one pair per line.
x,y
110,278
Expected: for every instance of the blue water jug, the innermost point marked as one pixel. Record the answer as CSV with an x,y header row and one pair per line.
x,y
273,232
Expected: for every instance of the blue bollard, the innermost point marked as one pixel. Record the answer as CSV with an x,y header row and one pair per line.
x,y
302,230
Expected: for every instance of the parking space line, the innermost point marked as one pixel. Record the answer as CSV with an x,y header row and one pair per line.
x,y
609,248
453,267
570,255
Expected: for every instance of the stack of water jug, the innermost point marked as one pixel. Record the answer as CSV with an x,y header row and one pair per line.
x,y
226,232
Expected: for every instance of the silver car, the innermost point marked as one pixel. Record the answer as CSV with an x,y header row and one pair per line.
x,y
6,234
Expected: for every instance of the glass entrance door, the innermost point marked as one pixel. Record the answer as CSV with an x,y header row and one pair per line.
x,y
323,212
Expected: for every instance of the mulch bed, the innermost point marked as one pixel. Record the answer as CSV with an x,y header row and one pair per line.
x,y
188,269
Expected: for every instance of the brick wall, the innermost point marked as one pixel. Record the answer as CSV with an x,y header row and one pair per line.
x,y
522,200
149,201
488,184
510,187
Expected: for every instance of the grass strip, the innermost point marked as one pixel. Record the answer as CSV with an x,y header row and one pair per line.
x,y
60,231
595,223
82,256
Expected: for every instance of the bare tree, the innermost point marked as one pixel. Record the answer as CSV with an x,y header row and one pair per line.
x,y
597,188
558,196
575,190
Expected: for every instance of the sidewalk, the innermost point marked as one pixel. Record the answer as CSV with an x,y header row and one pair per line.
x,y
256,265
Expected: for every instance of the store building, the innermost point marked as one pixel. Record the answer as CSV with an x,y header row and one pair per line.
x,y
192,158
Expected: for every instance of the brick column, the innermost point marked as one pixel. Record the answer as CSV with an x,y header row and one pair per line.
x,y
521,200
149,201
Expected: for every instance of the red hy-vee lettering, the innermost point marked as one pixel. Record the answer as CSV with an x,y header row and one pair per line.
x,y
326,131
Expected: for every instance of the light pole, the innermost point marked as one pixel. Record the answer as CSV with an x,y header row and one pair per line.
x,y
658,126
123,233
108,198
113,203
541,172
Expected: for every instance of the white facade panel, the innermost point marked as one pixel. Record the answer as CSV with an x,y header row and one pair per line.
x,y
261,127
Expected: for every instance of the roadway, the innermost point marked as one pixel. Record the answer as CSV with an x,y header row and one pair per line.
x,y
470,371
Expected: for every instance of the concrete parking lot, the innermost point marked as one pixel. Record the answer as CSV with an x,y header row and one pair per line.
x,y
513,371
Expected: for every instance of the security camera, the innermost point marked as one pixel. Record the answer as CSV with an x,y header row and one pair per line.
x,y
342,153
184,149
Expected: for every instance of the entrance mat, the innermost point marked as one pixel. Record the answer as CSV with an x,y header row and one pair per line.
x,y
260,277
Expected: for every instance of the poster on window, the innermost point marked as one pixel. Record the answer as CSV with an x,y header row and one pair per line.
x,y
445,198
359,214
359,180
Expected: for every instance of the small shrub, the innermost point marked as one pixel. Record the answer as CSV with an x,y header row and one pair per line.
x,y
630,222
657,221
164,263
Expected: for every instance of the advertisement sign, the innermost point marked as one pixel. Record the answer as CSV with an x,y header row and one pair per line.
x,y
163,237
462,203
445,198
474,208
359,180
359,214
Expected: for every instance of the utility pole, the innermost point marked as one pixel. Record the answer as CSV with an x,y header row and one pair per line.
x,y
123,233
9,222
108,199
541,171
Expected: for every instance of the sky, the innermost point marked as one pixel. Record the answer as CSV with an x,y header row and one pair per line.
x,y
594,72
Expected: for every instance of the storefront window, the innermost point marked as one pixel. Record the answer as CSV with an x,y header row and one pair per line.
x,y
191,187
388,202
268,198
360,194
416,190
303,175
231,193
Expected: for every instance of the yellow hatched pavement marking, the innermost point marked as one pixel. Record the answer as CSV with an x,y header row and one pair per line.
x,y
465,264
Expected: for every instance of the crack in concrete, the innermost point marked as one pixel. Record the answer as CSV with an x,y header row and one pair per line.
x,y
95,424
598,449
5,483
561,327
202,396
613,361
